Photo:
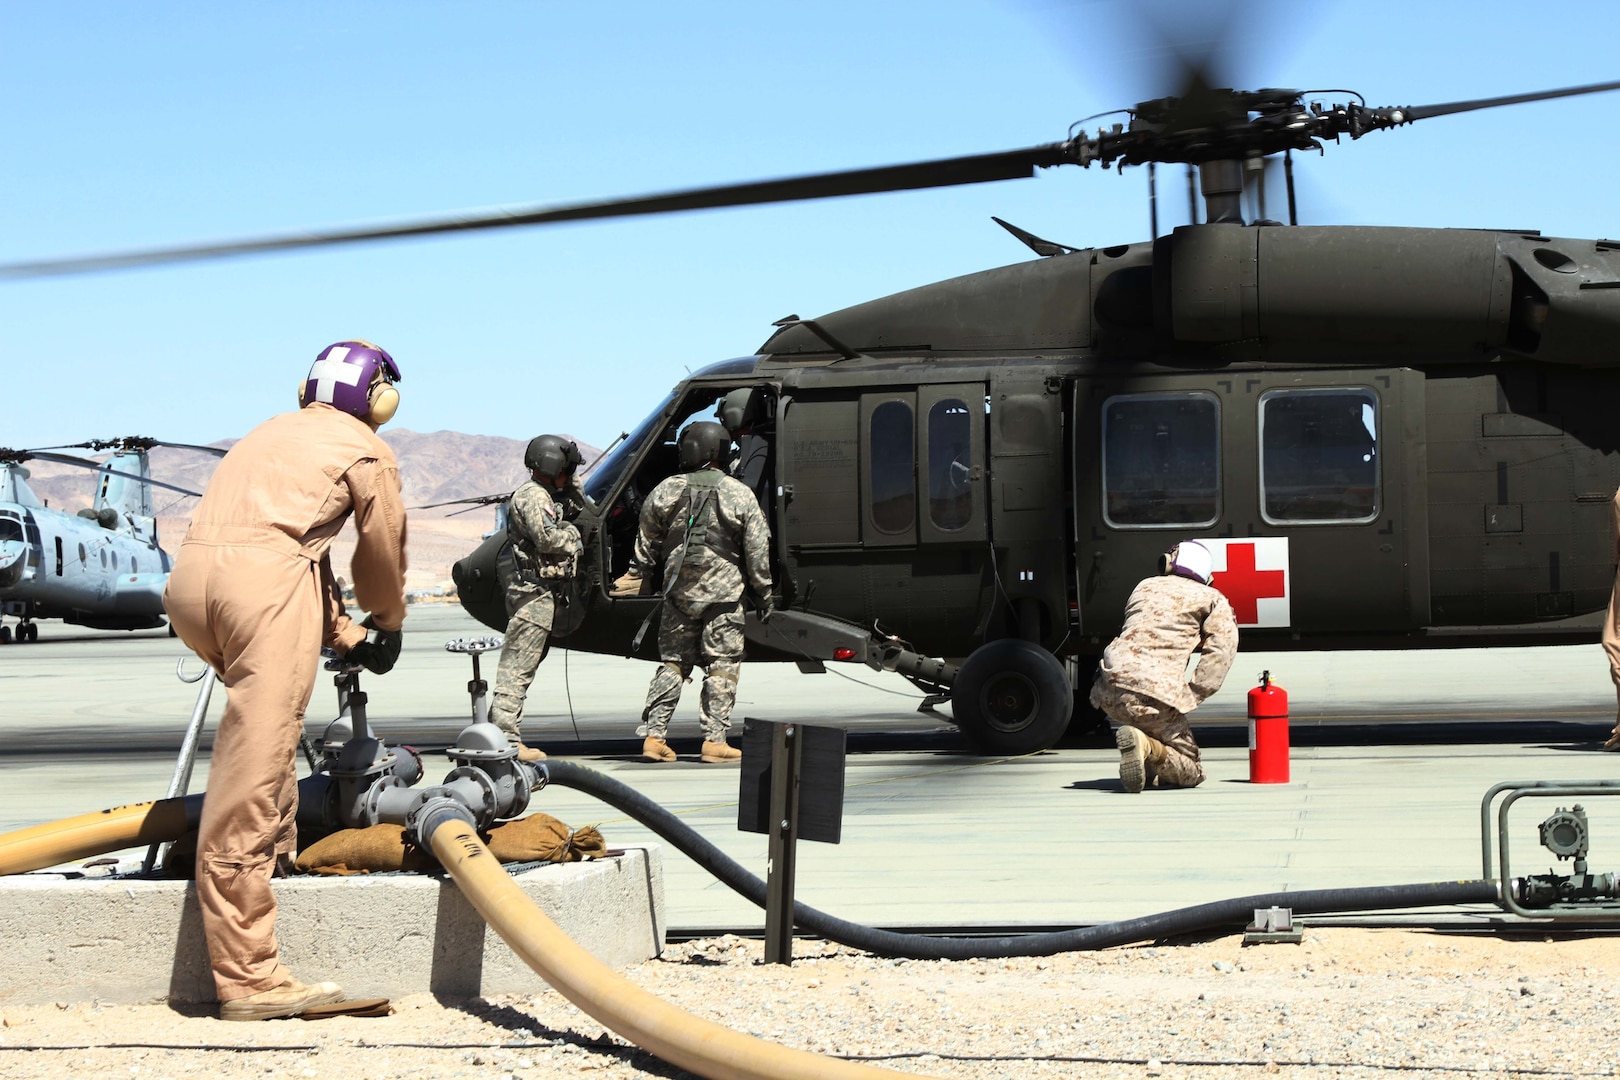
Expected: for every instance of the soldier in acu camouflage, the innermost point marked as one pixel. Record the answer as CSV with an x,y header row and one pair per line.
x,y
1142,681
542,555
704,531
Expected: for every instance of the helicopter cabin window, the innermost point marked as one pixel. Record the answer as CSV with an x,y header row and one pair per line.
x,y
1319,456
950,464
84,556
1161,460
894,489
58,556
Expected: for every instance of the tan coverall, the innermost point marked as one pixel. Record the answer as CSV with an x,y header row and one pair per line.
x,y
1142,680
252,593
1611,624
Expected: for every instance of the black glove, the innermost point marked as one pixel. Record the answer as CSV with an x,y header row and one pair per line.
x,y
379,654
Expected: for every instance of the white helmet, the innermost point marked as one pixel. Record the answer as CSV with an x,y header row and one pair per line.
x,y
1189,559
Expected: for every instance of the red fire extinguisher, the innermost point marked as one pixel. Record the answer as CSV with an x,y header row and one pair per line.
x,y
1268,733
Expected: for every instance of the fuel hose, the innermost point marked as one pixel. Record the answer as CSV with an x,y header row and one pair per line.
x,y
690,1042
135,825
1217,914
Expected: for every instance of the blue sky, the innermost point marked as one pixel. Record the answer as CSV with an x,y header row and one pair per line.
x,y
136,125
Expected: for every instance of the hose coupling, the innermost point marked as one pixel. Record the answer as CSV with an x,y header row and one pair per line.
x,y
426,817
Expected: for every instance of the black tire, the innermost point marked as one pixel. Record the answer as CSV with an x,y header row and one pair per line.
x,y
32,630
5,635
1012,697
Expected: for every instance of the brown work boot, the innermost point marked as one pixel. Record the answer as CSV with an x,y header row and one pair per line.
x,y
1132,745
289,999
655,749
1613,742
718,753
530,753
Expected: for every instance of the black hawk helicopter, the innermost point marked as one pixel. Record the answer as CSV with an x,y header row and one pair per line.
x,y
1389,437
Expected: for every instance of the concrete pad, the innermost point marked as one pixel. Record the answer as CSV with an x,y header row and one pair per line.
x,y
71,938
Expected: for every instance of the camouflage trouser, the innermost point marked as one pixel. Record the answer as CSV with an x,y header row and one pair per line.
x,y
1181,766
526,634
714,641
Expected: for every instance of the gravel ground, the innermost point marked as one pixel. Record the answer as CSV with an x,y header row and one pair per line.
x,y
1346,1002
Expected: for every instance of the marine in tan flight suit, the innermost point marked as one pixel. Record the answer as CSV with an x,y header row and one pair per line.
x,y
252,593
1142,681
1611,625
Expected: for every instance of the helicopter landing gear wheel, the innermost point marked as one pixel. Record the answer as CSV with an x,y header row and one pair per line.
x,y
1012,697
28,632
5,635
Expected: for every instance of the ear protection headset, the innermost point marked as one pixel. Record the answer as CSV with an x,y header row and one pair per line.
x,y
383,399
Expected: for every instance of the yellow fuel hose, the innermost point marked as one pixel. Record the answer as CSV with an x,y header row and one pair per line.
x,y
674,1035
135,825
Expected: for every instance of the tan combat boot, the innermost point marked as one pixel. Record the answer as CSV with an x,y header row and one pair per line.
x,y
718,753
656,749
525,753
1132,743
289,999
1153,758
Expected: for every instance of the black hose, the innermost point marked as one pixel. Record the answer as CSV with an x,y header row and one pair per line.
x,y
1220,913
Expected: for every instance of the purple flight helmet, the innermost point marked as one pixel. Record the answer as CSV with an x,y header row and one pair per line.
x,y
342,374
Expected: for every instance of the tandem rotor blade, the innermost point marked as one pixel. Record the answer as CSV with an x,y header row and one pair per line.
x,y
139,442
944,172
101,467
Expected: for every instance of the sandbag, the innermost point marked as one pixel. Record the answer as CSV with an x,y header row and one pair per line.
x,y
382,848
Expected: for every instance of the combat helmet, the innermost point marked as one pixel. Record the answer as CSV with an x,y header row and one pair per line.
x,y
552,456
703,443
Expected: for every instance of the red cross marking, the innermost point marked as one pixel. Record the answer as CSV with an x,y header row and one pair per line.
x,y
1245,586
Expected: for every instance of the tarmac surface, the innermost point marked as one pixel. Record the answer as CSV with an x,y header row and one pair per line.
x,y
1392,754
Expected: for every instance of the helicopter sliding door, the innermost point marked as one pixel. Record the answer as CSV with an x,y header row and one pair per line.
x,y
883,508
1308,486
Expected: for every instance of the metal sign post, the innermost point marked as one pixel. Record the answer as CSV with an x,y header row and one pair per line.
x,y
792,785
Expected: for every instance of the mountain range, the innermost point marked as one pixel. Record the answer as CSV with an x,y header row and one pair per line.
x,y
435,466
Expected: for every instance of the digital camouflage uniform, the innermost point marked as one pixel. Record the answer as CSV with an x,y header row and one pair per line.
x,y
1142,680
702,619
544,552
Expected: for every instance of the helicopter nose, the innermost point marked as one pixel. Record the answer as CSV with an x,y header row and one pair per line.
x,y
11,564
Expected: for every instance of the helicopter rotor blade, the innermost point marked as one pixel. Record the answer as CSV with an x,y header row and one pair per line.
x,y
138,442
1423,112
476,500
942,172
100,467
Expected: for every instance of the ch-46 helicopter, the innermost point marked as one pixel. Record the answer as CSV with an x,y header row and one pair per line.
x,y
101,567
1390,437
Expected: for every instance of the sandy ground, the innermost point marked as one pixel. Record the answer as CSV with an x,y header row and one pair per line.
x,y
1345,1002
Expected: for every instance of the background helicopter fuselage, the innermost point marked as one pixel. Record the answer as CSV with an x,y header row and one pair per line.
x,y
1403,437
104,570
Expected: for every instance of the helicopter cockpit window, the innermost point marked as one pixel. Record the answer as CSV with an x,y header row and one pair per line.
x,y
601,480
1161,460
894,485
950,464
1319,456
11,529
